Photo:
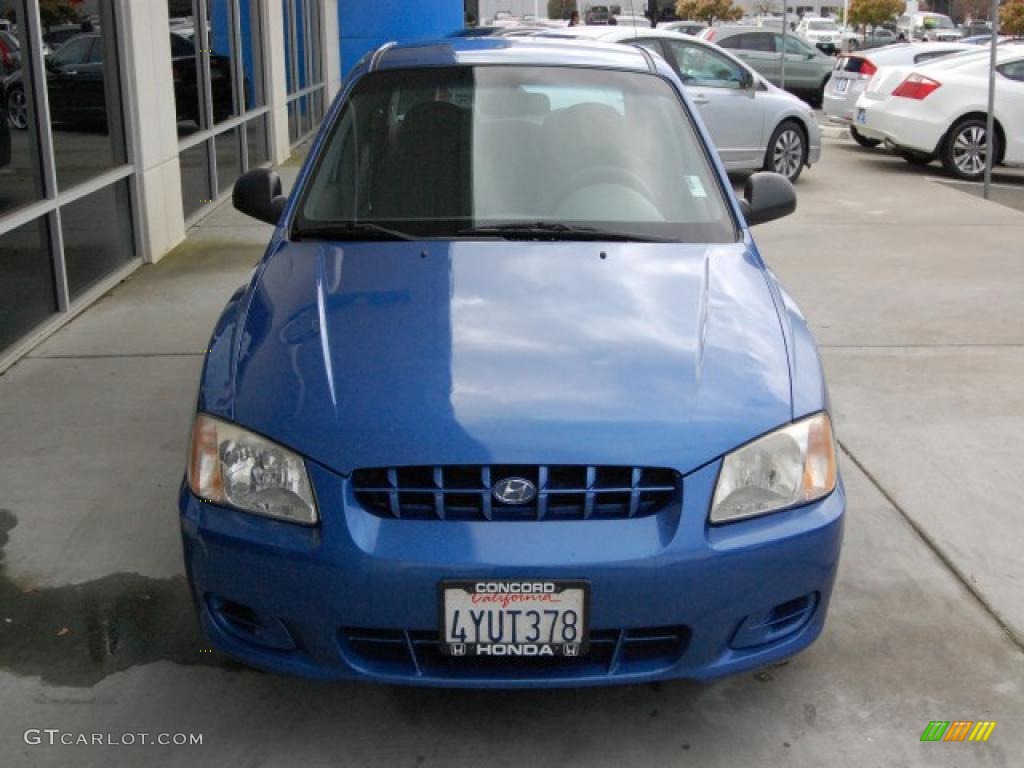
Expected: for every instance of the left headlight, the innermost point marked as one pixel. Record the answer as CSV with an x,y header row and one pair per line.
x,y
792,465
230,465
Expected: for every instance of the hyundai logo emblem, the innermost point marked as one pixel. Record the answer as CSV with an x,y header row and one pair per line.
x,y
514,490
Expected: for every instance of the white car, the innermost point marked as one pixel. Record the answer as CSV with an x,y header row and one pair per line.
x,y
938,110
754,125
929,26
854,70
823,33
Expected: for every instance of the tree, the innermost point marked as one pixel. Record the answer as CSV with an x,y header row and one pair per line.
x,y
708,11
53,12
560,9
1011,18
874,12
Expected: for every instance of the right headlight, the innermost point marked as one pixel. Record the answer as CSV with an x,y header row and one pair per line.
x,y
793,465
232,466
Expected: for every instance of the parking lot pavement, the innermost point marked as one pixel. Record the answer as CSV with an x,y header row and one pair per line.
x,y
912,288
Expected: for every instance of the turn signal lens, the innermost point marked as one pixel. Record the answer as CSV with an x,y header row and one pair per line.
x,y
790,466
916,86
867,67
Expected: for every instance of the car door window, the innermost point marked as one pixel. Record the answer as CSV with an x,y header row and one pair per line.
x,y
1013,70
95,52
74,52
793,45
650,44
703,67
756,41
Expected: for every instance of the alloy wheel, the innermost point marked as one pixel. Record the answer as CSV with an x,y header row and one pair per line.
x,y
969,148
788,153
17,108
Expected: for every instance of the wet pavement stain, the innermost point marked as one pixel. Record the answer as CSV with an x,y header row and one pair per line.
x,y
78,634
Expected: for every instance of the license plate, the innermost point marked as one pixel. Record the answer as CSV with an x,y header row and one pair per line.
x,y
842,85
862,117
507,618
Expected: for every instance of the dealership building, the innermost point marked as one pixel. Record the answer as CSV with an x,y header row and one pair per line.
x,y
127,126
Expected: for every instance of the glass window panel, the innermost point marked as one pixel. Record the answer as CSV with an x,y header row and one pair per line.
x,y
314,42
97,233
289,53
222,58
252,53
27,292
229,164
195,178
185,66
256,138
300,43
293,122
20,170
304,119
85,100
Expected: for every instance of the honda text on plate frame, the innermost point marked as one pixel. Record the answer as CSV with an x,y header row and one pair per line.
x,y
512,399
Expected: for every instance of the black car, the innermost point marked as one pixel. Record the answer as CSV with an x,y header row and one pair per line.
x,y
76,88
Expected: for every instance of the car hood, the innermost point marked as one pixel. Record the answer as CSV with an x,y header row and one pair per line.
x,y
382,354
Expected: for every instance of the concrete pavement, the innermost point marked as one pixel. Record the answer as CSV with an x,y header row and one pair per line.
x,y
919,316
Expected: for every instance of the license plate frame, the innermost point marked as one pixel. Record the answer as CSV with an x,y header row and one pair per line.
x,y
842,85
862,117
514,643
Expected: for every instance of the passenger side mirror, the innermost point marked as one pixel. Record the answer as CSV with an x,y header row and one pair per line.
x,y
767,196
258,194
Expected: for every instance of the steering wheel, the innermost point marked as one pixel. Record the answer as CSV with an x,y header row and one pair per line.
x,y
608,174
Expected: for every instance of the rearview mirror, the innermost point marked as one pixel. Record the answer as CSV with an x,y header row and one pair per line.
x,y
767,196
258,194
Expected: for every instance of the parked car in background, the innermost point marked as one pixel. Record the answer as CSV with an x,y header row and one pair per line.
x,y
929,26
807,68
938,111
822,33
596,14
875,38
627,20
986,39
525,237
10,53
683,27
853,71
753,124
516,31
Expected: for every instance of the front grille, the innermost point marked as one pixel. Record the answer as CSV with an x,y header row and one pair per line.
x,y
417,653
563,492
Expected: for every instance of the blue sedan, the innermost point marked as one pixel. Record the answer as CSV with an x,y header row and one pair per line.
x,y
512,399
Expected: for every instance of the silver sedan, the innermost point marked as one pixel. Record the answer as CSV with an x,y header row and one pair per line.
x,y
753,124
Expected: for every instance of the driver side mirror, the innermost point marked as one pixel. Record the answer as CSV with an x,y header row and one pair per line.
x,y
258,193
767,196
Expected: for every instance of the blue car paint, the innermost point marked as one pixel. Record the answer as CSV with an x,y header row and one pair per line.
x,y
391,353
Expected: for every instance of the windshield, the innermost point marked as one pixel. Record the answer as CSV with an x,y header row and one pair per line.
x,y
435,152
822,26
937,22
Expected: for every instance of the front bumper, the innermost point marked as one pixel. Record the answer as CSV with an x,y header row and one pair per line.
x,y
298,596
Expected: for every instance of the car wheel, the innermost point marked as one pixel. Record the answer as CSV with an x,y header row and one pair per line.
x,y
863,140
17,108
963,153
787,151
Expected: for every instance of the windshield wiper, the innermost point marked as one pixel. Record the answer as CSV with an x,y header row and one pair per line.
x,y
349,230
552,230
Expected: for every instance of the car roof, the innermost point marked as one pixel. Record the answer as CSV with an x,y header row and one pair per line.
x,y
523,51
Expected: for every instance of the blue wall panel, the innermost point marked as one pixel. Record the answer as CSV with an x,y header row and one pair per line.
x,y
367,24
